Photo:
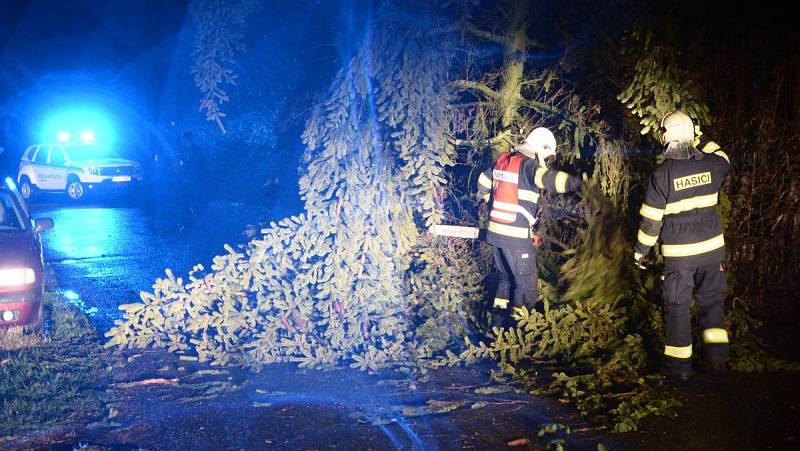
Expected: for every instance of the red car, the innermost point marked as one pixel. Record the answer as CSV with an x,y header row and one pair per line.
x,y
21,266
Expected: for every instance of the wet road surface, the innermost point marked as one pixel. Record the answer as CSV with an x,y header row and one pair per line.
x,y
105,253
285,408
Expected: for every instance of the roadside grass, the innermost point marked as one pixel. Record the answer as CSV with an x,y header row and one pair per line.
x,y
13,338
54,380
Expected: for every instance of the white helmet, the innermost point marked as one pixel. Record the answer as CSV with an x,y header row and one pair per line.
x,y
541,143
676,127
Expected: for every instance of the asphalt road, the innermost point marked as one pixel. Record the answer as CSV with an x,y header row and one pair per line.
x,y
105,252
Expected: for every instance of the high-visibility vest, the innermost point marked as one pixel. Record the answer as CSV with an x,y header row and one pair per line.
x,y
505,190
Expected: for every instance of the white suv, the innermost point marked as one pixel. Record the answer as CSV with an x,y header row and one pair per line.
x,y
74,170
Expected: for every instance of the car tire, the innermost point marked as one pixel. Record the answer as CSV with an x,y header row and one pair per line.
x,y
37,326
26,188
75,189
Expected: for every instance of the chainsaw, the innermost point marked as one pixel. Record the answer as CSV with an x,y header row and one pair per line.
x,y
470,233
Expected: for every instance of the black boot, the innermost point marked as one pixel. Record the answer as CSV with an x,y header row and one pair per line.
x,y
678,370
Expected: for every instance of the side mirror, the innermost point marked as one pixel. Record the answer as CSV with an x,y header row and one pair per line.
x,y
43,225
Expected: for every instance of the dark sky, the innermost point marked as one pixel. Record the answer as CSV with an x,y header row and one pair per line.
x,y
115,54
109,37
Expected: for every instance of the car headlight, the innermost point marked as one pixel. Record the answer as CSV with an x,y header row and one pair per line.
x,y
14,277
93,170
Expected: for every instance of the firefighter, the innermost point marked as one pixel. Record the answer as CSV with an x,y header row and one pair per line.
x,y
680,208
513,187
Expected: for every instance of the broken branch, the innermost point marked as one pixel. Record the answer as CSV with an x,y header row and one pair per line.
x,y
480,87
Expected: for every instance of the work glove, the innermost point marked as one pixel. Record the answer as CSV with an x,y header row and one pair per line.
x,y
639,260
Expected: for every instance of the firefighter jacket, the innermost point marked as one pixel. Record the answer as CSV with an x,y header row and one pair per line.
x,y
513,186
680,207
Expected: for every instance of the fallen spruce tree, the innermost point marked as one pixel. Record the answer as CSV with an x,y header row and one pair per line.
x,y
351,280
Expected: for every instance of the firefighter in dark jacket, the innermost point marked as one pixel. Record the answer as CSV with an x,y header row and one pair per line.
x,y
680,208
513,187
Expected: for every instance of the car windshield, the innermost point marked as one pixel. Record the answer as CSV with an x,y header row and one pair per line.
x,y
80,153
10,217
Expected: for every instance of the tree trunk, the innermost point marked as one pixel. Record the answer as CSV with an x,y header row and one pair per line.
x,y
509,100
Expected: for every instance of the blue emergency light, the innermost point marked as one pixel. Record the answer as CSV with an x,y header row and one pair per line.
x,y
79,125
87,136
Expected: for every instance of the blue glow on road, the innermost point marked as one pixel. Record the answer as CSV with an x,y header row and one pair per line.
x,y
94,232
75,299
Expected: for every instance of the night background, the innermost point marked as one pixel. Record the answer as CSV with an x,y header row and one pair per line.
x,y
273,281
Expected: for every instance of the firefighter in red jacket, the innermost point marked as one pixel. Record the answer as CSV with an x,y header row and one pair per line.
x,y
513,187
680,208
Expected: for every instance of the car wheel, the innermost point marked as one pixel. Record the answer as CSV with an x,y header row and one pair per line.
x,y
37,326
75,189
26,188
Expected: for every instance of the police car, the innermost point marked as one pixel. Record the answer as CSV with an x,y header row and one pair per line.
x,y
74,170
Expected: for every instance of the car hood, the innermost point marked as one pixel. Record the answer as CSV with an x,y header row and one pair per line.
x,y
105,162
19,248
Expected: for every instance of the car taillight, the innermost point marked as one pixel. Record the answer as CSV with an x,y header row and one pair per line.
x,y
16,277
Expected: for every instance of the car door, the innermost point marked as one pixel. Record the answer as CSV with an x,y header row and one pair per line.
x,y
57,168
38,166
45,175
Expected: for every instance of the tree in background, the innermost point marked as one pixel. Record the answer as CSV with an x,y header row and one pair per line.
x,y
601,332
517,91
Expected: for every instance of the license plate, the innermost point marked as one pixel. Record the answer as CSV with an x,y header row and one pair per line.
x,y
121,178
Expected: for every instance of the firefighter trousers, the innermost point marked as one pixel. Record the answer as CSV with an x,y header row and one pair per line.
x,y
709,287
518,282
